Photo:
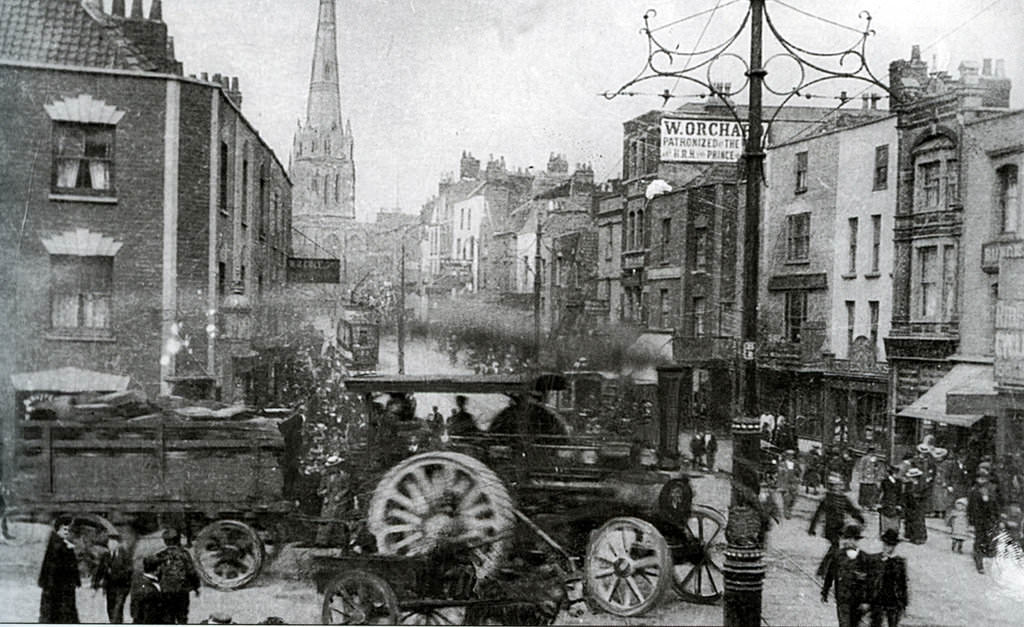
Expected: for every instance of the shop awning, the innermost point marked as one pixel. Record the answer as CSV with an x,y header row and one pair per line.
x,y
68,380
977,395
932,404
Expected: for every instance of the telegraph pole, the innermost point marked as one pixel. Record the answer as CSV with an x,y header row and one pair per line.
x,y
536,289
401,309
744,557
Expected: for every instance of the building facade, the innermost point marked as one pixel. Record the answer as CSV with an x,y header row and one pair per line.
x,y
322,165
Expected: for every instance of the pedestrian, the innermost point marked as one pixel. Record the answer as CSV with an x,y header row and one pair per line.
x,y
870,472
958,524
177,576
812,472
915,496
890,502
942,483
58,576
697,449
147,605
334,494
462,421
710,449
788,481
850,570
983,515
846,463
114,576
834,509
890,596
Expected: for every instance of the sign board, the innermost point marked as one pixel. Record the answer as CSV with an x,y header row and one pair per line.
x,y
748,351
1009,342
301,270
685,139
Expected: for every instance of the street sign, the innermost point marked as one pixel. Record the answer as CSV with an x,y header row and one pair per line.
x,y
748,351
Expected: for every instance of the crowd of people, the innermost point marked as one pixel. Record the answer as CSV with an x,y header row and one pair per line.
x,y
159,591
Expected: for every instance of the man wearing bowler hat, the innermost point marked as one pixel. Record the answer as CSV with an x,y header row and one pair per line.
x,y
850,569
889,595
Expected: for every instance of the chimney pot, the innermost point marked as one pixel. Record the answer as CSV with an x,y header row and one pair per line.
x,y
136,9
117,8
216,79
1000,68
234,83
156,11
205,76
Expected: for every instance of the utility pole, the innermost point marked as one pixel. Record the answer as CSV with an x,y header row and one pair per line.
x,y
536,288
401,309
744,556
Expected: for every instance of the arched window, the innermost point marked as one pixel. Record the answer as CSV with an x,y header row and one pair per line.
x,y
936,175
640,241
337,188
631,230
1008,198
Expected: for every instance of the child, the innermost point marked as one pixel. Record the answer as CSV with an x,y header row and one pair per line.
x,y
957,521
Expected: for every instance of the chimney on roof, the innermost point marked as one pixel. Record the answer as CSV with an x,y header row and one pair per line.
x,y
117,8
136,9
1000,68
864,101
875,97
156,11
968,72
232,91
986,67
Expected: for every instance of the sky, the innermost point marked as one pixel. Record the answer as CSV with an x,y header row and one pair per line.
x,y
423,80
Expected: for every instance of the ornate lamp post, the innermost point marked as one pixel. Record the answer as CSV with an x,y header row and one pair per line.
x,y
744,557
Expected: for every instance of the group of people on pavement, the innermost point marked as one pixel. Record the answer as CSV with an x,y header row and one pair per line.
x,y
159,591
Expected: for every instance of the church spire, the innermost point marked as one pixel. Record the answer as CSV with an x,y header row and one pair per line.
x,y
324,107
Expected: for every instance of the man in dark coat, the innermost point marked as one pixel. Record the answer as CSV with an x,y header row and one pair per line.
x,y
177,577
915,496
147,606
59,577
710,449
983,515
697,448
890,597
834,508
890,502
114,576
850,569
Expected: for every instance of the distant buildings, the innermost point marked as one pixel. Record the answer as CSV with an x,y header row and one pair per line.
x,y
140,205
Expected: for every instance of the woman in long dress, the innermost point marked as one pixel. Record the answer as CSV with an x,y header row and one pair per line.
x,y
59,577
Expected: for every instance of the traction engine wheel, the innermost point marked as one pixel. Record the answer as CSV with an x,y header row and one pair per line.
x,y
442,496
700,579
628,566
359,598
228,554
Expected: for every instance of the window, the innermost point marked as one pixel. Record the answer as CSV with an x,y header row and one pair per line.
x,y
245,191
930,181
631,231
699,304
928,278
876,242
83,157
801,172
222,192
881,167
852,269
1008,199
796,315
952,181
641,241
609,243
261,203
241,277
458,248
665,307
700,250
937,173
337,188
222,277
666,237
799,236
851,321
80,291
873,312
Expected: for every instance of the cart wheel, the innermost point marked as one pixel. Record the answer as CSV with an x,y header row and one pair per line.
x,y
700,579
627,566
228,554
453,615
359,598
442,496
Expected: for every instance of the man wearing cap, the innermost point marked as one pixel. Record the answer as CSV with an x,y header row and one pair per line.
x,y
177,577
889,597
834,507
851,570
114,575
788,481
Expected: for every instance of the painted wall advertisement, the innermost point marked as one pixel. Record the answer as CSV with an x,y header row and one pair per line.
x,y
701,140
1009,362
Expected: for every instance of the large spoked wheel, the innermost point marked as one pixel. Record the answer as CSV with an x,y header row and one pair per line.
x,y
359,598
228,554
440,497
449,615
628,566
699,579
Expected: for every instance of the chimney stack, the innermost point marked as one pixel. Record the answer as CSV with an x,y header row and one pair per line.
x,y
968,72
117,9
874,100
156,12
864,102
986,67
1000,68
136,9
205,77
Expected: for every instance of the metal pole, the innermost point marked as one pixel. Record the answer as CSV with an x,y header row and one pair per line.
x,y
536,290
401,309
744,556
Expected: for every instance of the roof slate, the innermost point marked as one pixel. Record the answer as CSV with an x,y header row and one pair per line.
x,y
65,32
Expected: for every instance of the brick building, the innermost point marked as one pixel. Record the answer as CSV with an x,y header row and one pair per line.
x,y
137,198
957,237
824,301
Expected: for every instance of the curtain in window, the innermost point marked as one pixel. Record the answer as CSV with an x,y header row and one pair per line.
x,y
99,173
64,310
67,172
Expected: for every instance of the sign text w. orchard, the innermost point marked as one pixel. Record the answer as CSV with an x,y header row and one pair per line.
x,y
685,139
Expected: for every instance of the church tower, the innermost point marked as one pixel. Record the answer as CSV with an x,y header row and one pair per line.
x,y
322,170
